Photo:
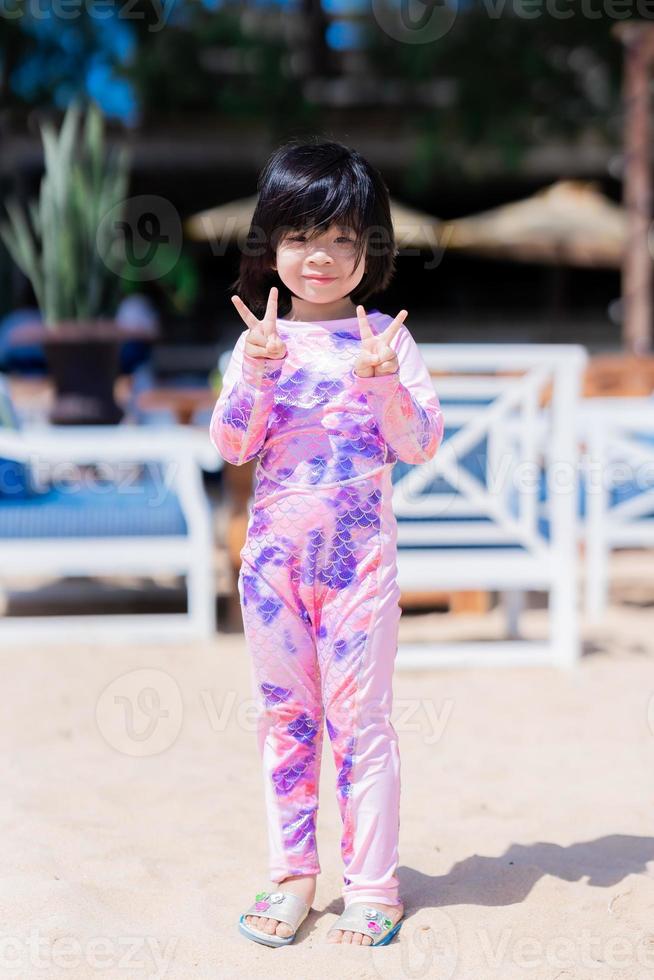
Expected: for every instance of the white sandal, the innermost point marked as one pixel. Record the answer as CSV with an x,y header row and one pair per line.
x,y
363,918
277,905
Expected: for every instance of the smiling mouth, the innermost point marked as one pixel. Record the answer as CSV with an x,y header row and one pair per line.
x,y
321,278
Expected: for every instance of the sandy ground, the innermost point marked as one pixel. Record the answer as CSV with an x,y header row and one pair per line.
x,y
132,815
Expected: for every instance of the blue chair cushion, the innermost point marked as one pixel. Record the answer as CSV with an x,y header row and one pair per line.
x,y
16,481
142,507
475,463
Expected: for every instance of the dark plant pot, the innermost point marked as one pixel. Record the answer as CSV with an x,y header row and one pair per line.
x,y
84,376
83,358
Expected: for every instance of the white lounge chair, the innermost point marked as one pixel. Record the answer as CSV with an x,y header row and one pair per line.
x,y
472,517
148,516
618,471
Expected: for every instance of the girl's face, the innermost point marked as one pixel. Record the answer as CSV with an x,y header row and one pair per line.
x,y
320,270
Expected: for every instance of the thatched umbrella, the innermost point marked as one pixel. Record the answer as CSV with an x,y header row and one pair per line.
x,y
568,223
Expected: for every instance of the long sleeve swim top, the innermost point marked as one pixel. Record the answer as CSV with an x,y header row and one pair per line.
x,y
311,419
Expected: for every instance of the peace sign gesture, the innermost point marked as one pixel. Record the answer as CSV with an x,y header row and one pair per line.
x,y
262,339
377,357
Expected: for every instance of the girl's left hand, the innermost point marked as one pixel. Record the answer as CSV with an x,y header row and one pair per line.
x,y
377,357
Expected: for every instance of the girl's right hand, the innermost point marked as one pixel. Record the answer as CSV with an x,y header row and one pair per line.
x,y
262,339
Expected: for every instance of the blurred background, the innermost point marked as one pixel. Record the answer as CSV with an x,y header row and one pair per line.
x,y
462,106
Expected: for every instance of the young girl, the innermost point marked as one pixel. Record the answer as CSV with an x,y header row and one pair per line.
x,y
327,398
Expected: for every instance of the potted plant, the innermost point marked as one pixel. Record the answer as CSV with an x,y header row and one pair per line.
x,y
66,244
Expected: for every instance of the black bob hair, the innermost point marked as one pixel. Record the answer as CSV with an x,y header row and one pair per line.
x,y
309,185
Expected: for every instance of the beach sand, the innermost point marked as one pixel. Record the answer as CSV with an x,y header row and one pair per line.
x,y
133,833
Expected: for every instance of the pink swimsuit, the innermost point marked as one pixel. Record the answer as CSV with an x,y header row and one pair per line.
x,y
317,583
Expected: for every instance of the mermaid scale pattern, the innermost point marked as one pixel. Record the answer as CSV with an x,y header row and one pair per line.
x,y
317,582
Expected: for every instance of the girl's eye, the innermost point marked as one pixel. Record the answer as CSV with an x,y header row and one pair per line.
x,y
342,239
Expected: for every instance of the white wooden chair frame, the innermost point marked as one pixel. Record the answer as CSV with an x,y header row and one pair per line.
x,y
518,433
606,426
183,453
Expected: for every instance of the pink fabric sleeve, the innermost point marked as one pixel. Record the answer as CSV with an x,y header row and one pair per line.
x,y
239,419
405,404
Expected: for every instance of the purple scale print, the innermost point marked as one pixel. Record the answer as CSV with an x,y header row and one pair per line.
x,y
268,609
344,338
318,466
340,648
237,414
289,645
344,468
281,414
295,383
250,588
310,567
303,728
360,516
343,782
341,564
302,829
274,694
272,553
286,778
326,390
343,647
260,523
362,444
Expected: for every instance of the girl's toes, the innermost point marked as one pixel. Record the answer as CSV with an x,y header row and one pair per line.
x,y
356,938
334,936
284,930
347,937
366,941
270,926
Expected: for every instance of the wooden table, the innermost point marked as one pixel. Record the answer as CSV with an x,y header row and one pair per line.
x,y
619,375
